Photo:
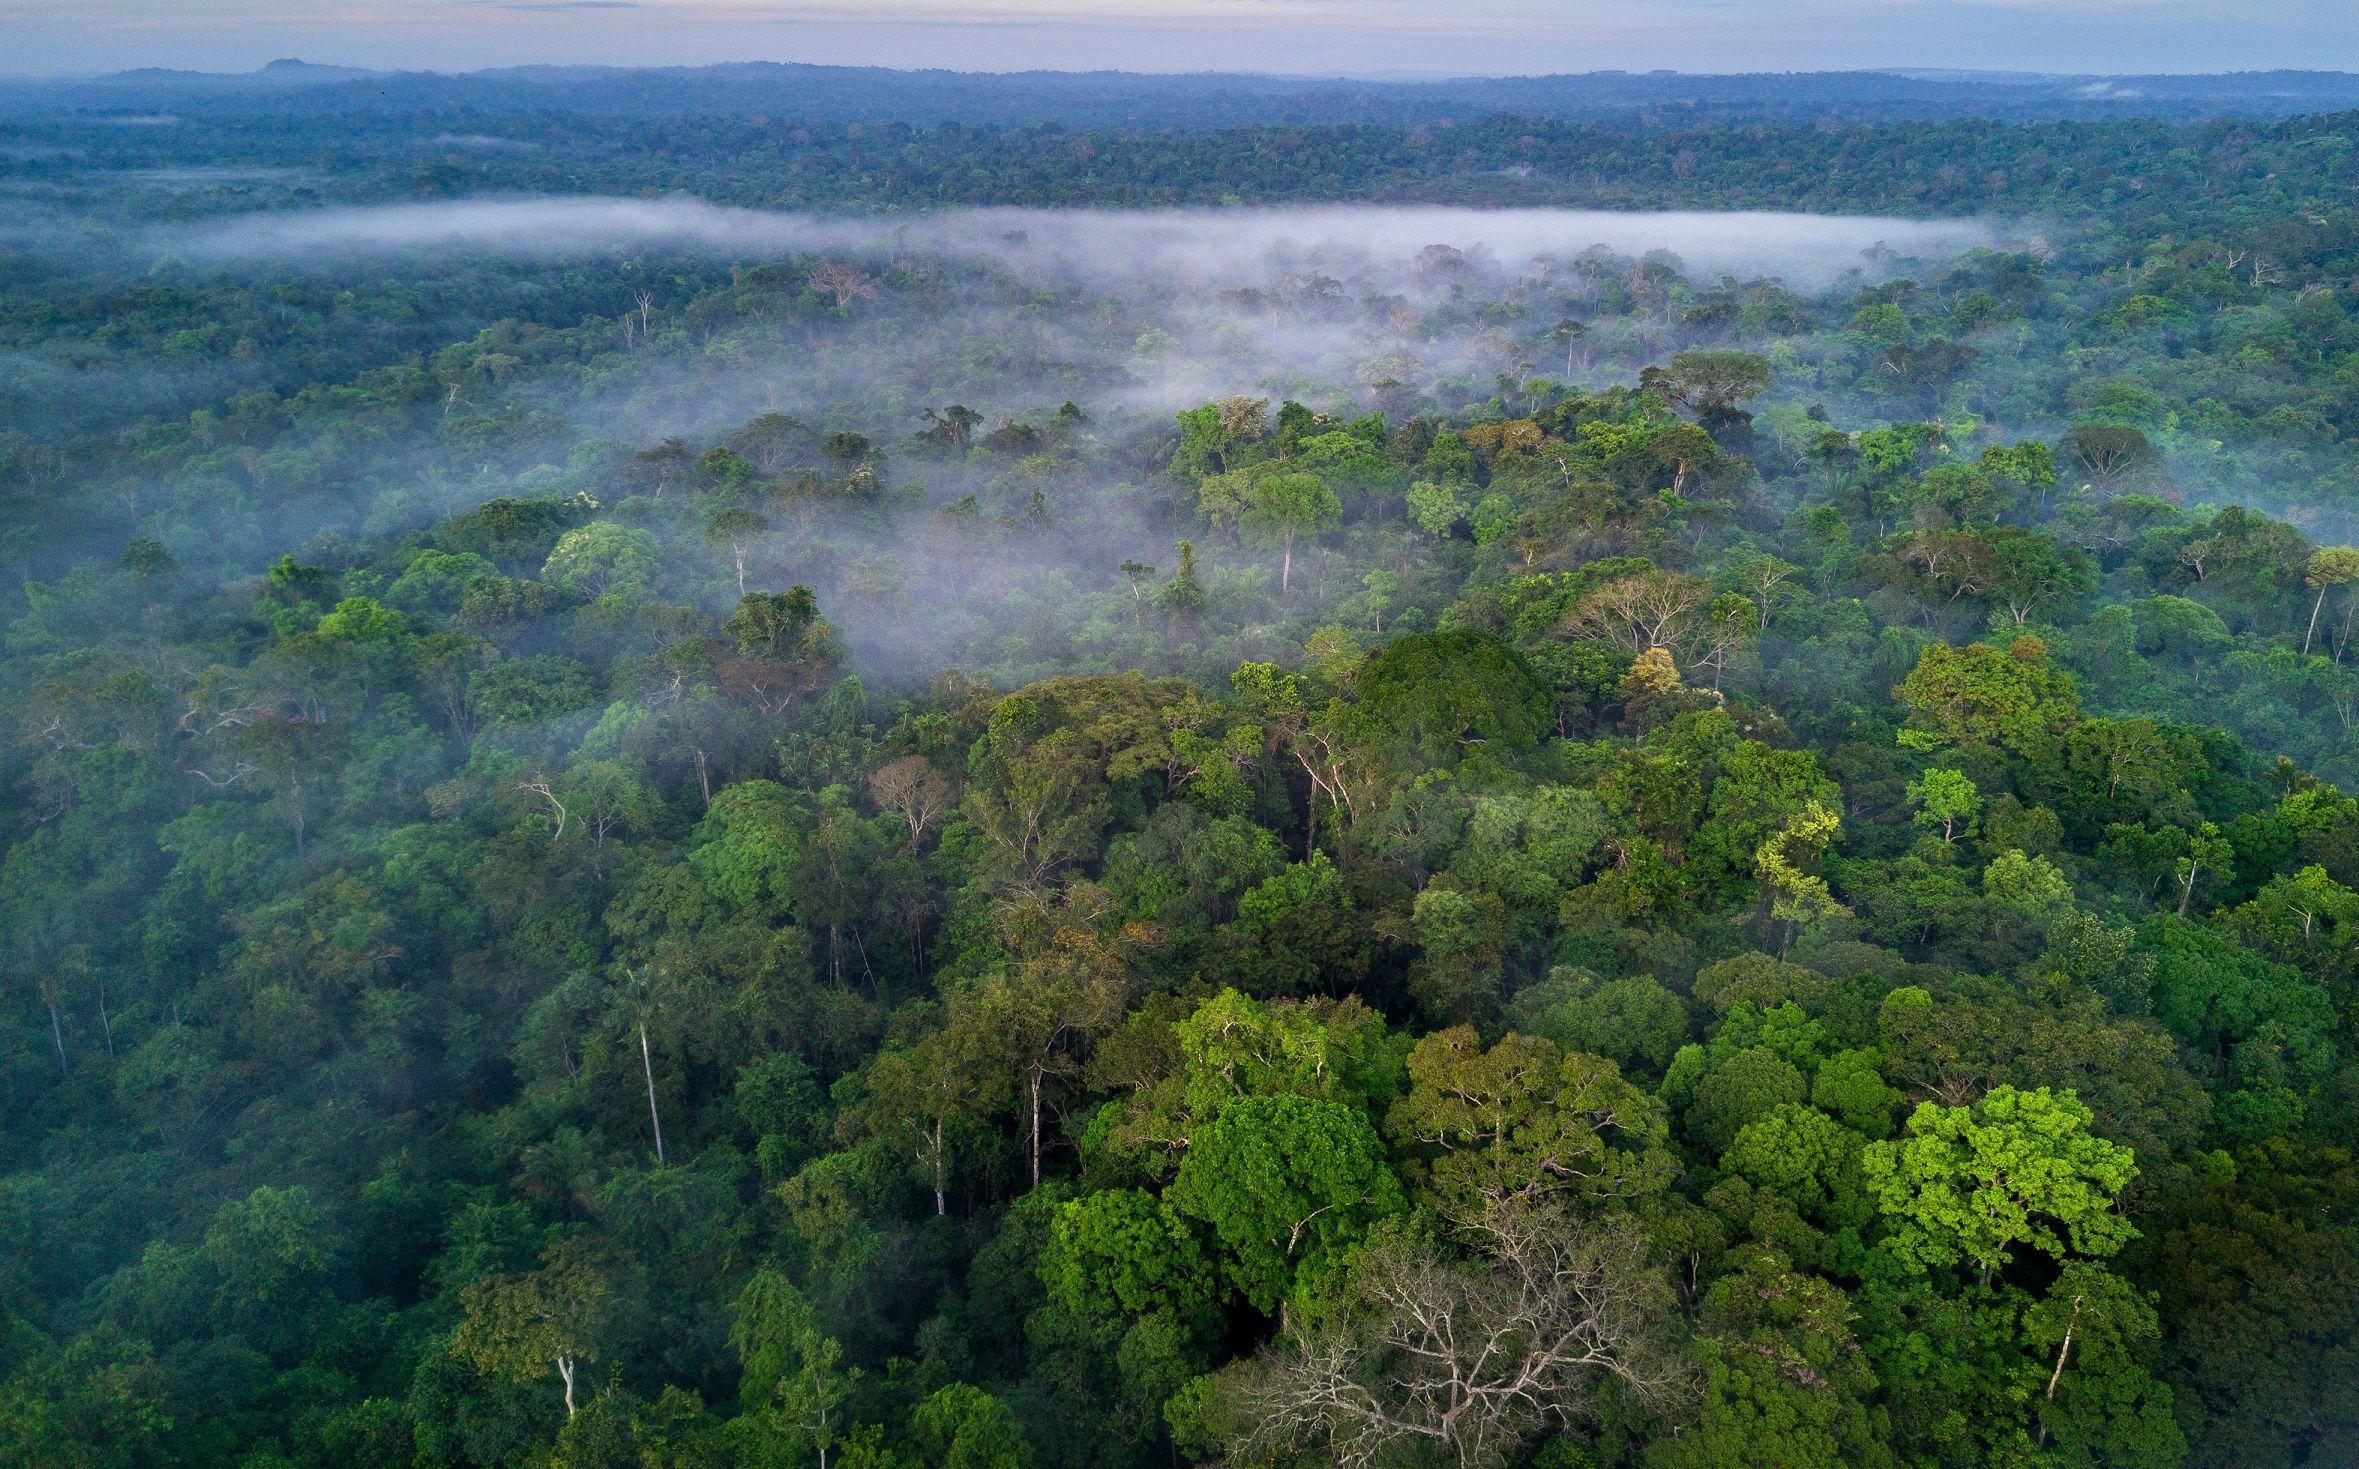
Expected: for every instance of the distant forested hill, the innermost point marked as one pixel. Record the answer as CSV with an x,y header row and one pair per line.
x,y
1123,99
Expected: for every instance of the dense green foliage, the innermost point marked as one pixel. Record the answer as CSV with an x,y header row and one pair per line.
x,y
1446,861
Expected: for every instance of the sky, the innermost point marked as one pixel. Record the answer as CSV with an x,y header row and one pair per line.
x,y
1301,37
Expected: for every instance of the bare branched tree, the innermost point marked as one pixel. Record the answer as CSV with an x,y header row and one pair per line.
x,y
1653,609
912,789
844,281
1470,1359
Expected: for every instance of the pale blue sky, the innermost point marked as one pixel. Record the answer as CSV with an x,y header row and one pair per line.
x,y
1359,37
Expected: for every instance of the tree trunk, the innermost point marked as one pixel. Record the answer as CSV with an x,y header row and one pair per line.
x,y
941,1198
647,1063
1036,1126
57,1036
565,1371
2065,1350
1286,567
2062,1352
2312,630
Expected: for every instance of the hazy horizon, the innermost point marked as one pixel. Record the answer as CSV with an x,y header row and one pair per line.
x,y
1310,38
1403,76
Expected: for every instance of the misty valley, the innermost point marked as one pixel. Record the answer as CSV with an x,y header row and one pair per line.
x,y
979,772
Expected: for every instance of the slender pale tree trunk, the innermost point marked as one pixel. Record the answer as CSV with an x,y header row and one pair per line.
x,y
941,1195
2062,1352
647,1063
565,1371
1036,1126
2065,1350
2312,631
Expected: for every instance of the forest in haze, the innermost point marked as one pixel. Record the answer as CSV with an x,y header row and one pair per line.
x,y
1096,783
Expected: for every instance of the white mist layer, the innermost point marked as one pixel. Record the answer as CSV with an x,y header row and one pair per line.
x,y
1093,244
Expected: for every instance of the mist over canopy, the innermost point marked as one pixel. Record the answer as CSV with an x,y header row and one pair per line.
x,y
1138,246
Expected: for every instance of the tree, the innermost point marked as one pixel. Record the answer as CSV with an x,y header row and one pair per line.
x,y
1038,1022
1218,438
1785,1383
1468,1361
1798,896
1945,798
952,428
921,1095
2329,567
1569,332
1976,1184
1714,385
642,993
843,281
520,1326
602,559
769,441
1136,573
1653,609
792,1380
735,527
1288,1185
2107,454
1763,578
1183,595
1809,1158
784,647
2207,850
2024,470
1438,510
1982,694
1127,1253
912,789
1277,508
1520,1123
1232,1047
2024,571
147,559
2100,1404
1740,1089
2031,888
1439,696
1635,1022
964,1427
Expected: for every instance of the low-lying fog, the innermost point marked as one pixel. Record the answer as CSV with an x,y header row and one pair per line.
x,y
1011,310
1805,249
1128,314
